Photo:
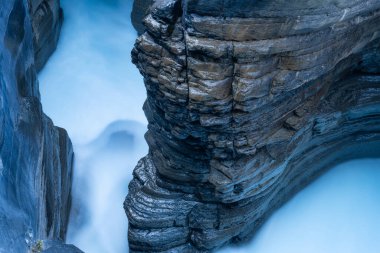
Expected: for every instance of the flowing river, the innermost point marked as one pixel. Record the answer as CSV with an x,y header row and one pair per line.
x,y
91,88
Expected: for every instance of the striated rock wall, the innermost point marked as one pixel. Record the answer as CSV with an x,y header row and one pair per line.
x,y
248,102
139,11
36,158
47,18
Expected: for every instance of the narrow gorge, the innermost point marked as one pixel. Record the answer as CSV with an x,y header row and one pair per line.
x,y
255,126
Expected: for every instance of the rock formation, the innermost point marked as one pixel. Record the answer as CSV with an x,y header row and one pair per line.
x,y
248,102
36,157
47,17
139,11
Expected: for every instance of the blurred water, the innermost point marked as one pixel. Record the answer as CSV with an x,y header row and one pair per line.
x,y
90,80
338,213
91,88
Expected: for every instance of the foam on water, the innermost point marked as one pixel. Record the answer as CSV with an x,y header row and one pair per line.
x,y
91,88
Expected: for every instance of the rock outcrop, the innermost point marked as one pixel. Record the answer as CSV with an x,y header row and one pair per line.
x,y
139,11
248,102
36,158
47,18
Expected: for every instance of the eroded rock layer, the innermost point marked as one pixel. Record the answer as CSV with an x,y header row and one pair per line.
x,y
35,156
248,102
139,11
47,17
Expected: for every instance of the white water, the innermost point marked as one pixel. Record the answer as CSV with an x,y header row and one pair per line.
x,y
91,88
90,80
338,213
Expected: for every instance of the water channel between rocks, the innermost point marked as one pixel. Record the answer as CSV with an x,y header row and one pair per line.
x,y
91,88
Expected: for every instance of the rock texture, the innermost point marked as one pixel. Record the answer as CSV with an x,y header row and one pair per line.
x,y
139,11
248,102
47,18
35,156
58,247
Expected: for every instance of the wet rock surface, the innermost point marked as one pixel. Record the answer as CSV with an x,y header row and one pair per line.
x,y
47,18
58,247
36,157
248,102
139,11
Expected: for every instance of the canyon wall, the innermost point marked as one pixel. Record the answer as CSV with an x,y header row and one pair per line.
x,y
248,102
46,18
36,158
139,11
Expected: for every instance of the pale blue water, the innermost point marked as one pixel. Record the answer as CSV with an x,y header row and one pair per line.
x,y
91,88
90,80
338,213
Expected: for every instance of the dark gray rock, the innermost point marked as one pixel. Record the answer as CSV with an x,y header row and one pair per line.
x,y
36,157
248,102
47,18
58,247
139,11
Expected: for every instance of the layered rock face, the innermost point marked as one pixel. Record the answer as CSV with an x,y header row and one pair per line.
x,y
47,18
248,102
139,11
36,158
